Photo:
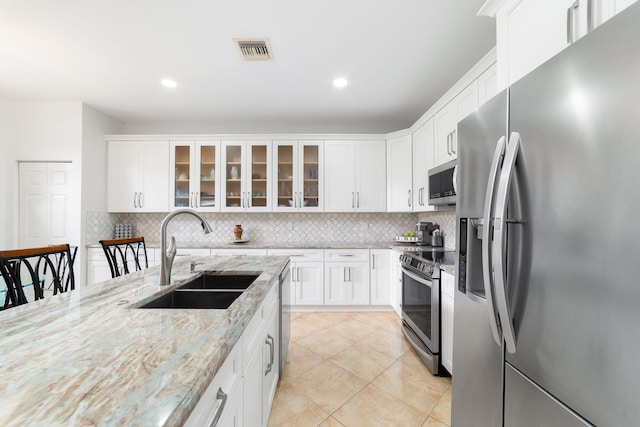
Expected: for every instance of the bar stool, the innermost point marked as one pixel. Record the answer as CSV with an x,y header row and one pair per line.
x,y
39,265
125,255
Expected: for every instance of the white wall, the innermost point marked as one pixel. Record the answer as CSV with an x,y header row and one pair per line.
x,y
40,131
95,125
6,197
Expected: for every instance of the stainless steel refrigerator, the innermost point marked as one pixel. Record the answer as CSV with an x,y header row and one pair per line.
x,y
547,309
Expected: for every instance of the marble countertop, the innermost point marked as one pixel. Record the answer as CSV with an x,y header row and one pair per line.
x,y
90,357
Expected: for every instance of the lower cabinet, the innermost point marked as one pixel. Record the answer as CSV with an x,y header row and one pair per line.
x,y
346,277
307,275
242,391
261,367
447,291
221,403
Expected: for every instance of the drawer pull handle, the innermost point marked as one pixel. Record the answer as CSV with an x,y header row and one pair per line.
x,y
271,344
221,397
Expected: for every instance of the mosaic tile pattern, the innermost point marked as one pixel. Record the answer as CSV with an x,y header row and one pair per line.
x,y
447,221
273,227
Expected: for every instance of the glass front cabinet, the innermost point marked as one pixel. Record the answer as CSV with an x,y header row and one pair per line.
x,y
298,180
194,172
246,176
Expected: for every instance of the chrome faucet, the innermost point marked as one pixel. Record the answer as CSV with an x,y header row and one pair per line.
x,y
167,256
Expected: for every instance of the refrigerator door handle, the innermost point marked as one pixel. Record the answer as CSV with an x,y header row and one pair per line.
x,y
498,156
499,228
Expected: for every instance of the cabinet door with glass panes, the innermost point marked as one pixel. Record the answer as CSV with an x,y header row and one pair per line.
x,y
193,175
245,180
298,181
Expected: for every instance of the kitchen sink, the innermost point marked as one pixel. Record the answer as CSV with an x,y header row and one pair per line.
x,y
195,299
223,280
212,290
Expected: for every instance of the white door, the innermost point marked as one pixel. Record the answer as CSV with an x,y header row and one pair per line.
x,y
335,274
399,174
371,179
358,284
45,204
380,264
309,284
339,176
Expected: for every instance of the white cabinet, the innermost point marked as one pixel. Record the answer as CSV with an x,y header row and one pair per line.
x,y
260,361
381,265
487,84
246,175
355,176
447,284
97,266
395,292
399,174
445,123
423,160
298,181
194,175
222,400
346,273
307,275
138,176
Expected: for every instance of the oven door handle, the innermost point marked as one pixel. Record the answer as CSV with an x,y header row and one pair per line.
x,y
417,278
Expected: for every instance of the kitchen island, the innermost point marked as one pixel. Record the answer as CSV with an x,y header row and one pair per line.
x,y
92,357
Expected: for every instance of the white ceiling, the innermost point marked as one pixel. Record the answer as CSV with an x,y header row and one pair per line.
x,y
400,56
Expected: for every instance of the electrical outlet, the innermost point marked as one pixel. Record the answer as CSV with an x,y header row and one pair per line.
x,y
290,226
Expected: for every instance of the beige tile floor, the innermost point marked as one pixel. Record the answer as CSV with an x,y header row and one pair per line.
x,y
356,369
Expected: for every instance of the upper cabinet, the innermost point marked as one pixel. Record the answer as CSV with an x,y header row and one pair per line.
x,y
400,194
529,32
298,176
138,176
445,123
194,175
423,160
355,176
246,176
487,84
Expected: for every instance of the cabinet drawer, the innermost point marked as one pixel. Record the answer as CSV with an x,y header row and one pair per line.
x,y
299,254
228,379
447,283
346,255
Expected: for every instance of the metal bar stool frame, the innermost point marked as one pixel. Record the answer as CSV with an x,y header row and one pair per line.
x,y
120,252
51,262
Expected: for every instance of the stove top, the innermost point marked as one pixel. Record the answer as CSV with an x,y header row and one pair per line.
x,y
427,260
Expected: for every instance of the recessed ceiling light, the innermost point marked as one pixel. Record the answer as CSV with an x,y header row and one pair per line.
x,y
340,82
169,83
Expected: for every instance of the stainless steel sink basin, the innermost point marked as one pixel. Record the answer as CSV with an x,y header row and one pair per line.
x,y
223,280
195,299
212,290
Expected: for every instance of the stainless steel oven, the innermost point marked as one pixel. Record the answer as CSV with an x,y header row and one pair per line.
x,y
421,305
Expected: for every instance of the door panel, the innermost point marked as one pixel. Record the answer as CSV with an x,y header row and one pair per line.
x,y
45,203
527,405
576,312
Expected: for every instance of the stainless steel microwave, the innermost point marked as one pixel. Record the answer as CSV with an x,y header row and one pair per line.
x,y
442,184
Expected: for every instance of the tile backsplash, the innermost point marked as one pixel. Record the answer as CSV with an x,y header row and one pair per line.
x,y
272,227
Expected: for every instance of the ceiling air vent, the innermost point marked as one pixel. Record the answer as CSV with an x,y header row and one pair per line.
x,y
254,49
